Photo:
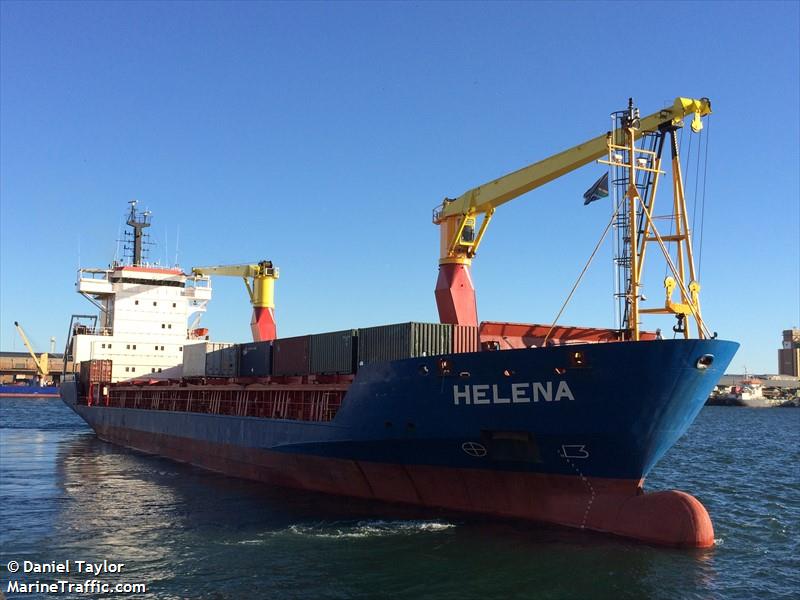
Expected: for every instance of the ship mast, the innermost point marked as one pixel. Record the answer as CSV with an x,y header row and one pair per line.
x,y
635,174
137,222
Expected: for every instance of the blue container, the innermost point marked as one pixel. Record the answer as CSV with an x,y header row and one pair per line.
x,y
255,359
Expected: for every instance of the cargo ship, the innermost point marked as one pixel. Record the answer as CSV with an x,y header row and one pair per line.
x,y
542,422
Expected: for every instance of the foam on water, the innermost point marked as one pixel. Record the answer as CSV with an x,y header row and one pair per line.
x,y
366,529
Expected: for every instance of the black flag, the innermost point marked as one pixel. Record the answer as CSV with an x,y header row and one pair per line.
x,y
598,190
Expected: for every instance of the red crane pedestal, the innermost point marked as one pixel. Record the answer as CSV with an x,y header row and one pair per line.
x,y
263,325
455,295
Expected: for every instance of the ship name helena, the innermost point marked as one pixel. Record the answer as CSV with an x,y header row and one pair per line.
x,y
519,393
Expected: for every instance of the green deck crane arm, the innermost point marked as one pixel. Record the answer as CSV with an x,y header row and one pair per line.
x,y
487,197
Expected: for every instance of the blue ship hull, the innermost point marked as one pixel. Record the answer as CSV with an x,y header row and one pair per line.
x,y
528,433
29,390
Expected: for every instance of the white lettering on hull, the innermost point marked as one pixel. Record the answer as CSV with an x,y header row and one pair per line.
x,y
516,393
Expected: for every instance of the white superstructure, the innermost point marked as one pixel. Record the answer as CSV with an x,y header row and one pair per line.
x,y
144,319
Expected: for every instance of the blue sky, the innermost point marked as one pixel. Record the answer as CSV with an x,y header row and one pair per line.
x,y
321,135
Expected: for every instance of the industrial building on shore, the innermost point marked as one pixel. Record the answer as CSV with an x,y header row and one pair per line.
x,y
789,354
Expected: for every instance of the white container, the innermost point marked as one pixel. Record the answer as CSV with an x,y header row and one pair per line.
x,y
210,359
194,359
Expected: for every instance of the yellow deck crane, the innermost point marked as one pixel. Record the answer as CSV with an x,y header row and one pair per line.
x,y
460,236
42,361
259,279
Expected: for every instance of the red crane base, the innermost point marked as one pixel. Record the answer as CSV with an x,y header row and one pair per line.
x,y
263,325
455,295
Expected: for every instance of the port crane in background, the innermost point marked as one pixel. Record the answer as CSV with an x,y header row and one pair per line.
x,y
259,279
637,174
42,361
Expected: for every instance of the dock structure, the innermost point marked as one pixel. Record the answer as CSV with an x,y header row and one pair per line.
x,y
16,366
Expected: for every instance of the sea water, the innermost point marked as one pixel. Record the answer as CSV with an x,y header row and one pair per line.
x,y
187,533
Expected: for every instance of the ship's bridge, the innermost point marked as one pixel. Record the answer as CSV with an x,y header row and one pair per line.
x,y
143,321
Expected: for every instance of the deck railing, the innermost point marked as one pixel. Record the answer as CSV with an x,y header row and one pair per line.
x,y
299,403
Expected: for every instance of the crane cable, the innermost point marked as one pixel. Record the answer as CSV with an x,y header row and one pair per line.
x,y
703,201
696,180
578,281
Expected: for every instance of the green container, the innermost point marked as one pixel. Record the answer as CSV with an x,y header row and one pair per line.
x,y
403,340
334,352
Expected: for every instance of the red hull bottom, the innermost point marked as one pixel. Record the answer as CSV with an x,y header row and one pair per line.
x,y
614,506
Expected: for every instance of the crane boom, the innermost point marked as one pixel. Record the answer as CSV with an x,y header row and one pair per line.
x,y
488,196
259,279
42,363
459,234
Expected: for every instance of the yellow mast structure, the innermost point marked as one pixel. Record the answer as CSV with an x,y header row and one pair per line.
x,y
42,361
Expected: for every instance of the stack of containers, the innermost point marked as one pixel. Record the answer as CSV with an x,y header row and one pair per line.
x,y
403,340
335,352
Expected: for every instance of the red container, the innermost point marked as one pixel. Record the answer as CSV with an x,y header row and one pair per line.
x,y
465,339
290,356
96,371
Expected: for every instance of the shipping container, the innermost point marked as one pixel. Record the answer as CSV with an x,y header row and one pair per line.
x,y
196,361
95,371
465,338
403,340
255,359
334,352
222,361
290,356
